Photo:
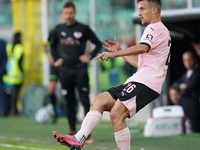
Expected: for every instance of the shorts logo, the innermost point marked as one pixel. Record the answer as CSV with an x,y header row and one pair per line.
x,y
128,89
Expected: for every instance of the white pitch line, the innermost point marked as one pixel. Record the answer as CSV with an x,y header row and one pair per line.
x,y
36,141
21,139
22,147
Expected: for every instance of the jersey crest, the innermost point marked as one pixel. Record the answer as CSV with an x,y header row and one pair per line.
x,y
77,34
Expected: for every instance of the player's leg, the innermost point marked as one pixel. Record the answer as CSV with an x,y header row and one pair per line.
x,y
131,97
52,96
82,84
71,107
68,91
118,115
103,102
51,89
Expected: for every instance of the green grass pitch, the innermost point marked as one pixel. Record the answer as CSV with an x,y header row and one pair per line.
x,y
24,133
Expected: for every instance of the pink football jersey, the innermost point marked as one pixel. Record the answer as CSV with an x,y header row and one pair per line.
x,y
152,66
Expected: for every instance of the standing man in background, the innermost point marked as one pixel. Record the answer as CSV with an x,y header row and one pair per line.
x,y
3,60
189,86
72,37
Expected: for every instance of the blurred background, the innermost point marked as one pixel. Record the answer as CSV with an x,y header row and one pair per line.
x,y
110,18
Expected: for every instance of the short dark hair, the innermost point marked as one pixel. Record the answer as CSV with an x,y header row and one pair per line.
x,y
69,4
156,2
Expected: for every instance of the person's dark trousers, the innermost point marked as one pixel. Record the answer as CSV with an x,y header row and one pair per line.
x,y
12,100
3,103
195,121
71,79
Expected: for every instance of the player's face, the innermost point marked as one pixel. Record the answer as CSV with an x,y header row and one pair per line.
x,y
62,18
174,96
189,61
145,12
69,15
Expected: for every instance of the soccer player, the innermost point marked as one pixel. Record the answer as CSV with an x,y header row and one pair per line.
x,y
72,37
140,89
54,71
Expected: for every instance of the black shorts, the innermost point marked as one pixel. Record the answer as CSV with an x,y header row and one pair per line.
x,y
54,73
133,95
75,78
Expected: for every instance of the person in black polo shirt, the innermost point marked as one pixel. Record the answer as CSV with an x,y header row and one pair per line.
x,y
73,61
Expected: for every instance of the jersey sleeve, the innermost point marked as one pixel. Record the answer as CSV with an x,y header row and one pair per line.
x,y
54,42
93,38
46,42
149,37
51,35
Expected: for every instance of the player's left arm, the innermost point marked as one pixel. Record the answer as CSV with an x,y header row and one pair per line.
x,y
45,44
54,41
87,56
132,60
93,38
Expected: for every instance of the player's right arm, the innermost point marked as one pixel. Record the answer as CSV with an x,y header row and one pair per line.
x,y
132,60
54,41
45,49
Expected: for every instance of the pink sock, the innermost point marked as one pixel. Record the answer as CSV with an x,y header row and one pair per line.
x,y
123,139
90,122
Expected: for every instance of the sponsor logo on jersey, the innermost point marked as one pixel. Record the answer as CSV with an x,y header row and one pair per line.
x,y
77,34
70,41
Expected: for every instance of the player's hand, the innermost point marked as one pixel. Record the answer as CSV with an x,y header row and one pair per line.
x,y
84,58
105,56
182,86
111,45
59,62
44,47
